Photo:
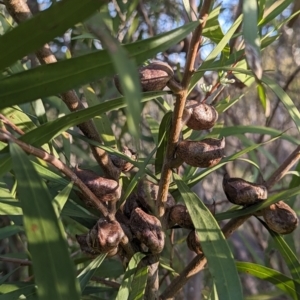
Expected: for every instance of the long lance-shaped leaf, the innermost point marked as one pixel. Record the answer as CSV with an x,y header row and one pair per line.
x,y
48,131
280,280
58,77
280,93
255,207
242,129
129,80
219,257
53,268
216,51
289,256
43,28
126,286
251,37
88,272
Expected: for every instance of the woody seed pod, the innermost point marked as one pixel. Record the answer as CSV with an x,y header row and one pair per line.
x,y
242,192
130,204
193,242
105,189
123,165
179,215
203,154
105,236
153,77
280,217
147,229
202,116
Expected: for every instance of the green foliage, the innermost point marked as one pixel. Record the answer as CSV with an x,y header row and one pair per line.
x,y
41,212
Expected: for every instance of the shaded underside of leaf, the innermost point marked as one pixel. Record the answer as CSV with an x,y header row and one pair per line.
x,y
219,257
53,268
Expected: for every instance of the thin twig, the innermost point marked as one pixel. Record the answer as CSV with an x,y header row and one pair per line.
x,y
109,283
283,168
20,12
178,111
22,262
11,125
198,263
7,137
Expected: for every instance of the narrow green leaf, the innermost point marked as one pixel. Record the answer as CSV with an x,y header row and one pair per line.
x,y
10,230
274,10
154,127
6,276
102,122
164,128
13,291
187,8
125,288
242,129
53,268
263,98
61,199
281,281
215,52
212,29
219,257
48,131
251,37
285,99
255,207
10,207
289,256
43,28
59,77
129,79
139,284
88,272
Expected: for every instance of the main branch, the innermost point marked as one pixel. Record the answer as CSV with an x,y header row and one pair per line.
x,y
181,96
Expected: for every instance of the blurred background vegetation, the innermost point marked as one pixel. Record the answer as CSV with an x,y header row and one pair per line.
x,y
251,120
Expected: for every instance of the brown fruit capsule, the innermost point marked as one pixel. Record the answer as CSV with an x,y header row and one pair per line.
x,y
105,236
147,229
203,154
153,77
105,189
193,242
242,192
130,204
123,165
202,116
280,217
179,215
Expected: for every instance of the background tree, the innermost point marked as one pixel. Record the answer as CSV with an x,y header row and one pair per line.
x,y
71,234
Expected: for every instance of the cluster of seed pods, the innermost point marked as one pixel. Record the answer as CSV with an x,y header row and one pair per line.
x,y
279,216
138,211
